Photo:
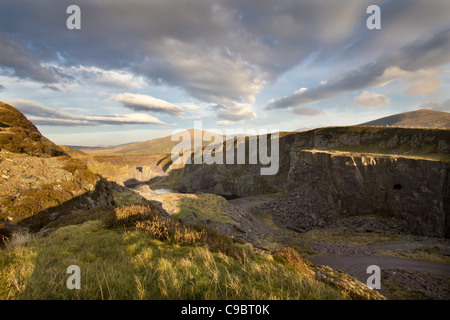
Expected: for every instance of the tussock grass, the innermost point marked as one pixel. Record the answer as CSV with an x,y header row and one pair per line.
x,y
133,265
20,239
149,219
137,252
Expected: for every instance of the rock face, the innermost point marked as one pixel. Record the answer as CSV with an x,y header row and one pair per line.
x,y
38,181
357,178
19,135
411,191
237,179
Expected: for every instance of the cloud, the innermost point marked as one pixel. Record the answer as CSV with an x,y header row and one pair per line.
x,y
420,82
191,117
436,105
305,111
223,52
110,78
142,102
422,54
81,110
42,115
24,64
370,100
234,112
2,88
224,122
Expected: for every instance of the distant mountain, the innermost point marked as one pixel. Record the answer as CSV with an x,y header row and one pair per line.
x,y
158,145
423,118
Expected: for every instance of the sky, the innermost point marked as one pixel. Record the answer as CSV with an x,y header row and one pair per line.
x,y
137,70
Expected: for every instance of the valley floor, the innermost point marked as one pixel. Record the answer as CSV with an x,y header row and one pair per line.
x,y
412,267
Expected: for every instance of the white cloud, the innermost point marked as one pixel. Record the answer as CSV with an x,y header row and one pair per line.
x,y
370,100
234,111
42,115
224,122
420,82
142,102
108,78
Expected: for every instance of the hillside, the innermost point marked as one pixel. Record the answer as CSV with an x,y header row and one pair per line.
x,y
423,118
154,146
54,212
39,181
19,135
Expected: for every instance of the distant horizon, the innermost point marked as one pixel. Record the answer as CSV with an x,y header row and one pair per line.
x,y
114,72
297,130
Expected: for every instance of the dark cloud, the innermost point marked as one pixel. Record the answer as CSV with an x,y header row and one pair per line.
x,y
18,57
221,52
423,53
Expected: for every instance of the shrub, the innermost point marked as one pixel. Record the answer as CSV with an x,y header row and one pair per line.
x,y
150,220
293,259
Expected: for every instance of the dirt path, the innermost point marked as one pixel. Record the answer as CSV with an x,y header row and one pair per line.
x,y
418,274
356,266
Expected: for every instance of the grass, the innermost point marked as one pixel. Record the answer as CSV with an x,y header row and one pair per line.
x,y
127,199
134,265
432,254
297,242
205,205
19,135
347,237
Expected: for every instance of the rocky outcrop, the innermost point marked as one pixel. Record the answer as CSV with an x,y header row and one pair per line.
x,y
237,179
19,135
355,178
405,193
38,181
37,190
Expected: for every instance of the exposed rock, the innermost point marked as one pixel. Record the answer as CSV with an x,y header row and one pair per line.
x,y
390,188
401,194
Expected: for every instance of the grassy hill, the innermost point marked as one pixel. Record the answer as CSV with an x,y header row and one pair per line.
x,y
154,146
19,135
423,118
147,255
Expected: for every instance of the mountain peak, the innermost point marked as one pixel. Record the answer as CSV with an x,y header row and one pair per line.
x,y
422,118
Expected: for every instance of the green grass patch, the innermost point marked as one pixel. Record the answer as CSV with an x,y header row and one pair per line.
x,y
427,254
123,199
430,152
205,205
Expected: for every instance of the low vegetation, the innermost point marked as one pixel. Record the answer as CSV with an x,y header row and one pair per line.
x,y
205,205
19,135
432,254
136,252
348,237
